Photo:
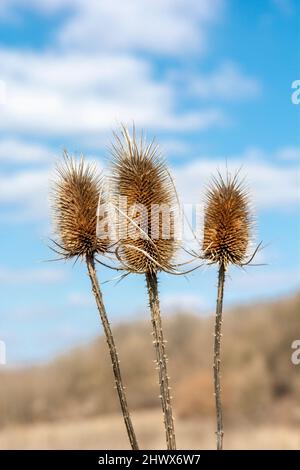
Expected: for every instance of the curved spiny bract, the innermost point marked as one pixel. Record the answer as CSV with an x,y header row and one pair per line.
x,y
140,175
76,196
227,222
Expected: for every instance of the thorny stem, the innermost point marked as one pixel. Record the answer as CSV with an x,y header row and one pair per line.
x,y
161,360
112,350
217,356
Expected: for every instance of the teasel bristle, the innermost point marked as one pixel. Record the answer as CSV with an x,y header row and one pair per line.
x,y
140,175
228,222
77,191
77,196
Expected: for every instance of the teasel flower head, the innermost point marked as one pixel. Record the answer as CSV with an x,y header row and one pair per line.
x,y
141,178
228,222
76,194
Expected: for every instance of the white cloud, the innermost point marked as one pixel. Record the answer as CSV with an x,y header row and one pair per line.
x,y
23,185
9,9
17,151
165,27
79,299
162,27
272,186
25,195
174,147
228,82
29,276
181,301
89,95
260,279
2,93
289,154
70,92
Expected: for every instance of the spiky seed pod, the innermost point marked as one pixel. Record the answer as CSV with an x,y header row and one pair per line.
x,y
227,222
141,180
140,175
76,196
227,230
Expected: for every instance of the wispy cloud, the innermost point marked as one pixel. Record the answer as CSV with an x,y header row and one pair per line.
x,y
227,82
79,299
112,83
182,301
258,281
167,27
291,154
26,193
29,276
272,186
22,152
90,94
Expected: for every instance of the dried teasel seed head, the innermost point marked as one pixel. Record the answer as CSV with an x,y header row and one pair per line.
x,y
142,187
227,222
75,197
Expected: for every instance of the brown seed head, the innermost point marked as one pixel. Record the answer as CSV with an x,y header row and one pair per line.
x,y
75,201
227,222
140,177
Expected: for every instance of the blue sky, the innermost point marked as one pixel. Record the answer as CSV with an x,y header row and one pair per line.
x,y
210,79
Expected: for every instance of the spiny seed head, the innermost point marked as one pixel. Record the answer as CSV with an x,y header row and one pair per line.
x,y
76,195
140,177
227,222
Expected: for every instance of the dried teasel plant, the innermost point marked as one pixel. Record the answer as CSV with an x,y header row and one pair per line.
x,y
140,189
228,224
77,193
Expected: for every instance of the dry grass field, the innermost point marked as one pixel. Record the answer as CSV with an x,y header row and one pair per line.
x,y
70,404
108,433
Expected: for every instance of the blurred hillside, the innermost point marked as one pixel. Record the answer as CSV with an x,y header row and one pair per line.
x,y
260,384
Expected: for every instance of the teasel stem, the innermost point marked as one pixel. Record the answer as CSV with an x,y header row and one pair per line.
x,y
161,359
217,356
112,350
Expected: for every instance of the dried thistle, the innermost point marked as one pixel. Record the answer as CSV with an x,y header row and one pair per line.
x,y
227,222
227,232
77,193
140,175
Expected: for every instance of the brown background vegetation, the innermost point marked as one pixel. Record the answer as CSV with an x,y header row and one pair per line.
x,y
261,386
